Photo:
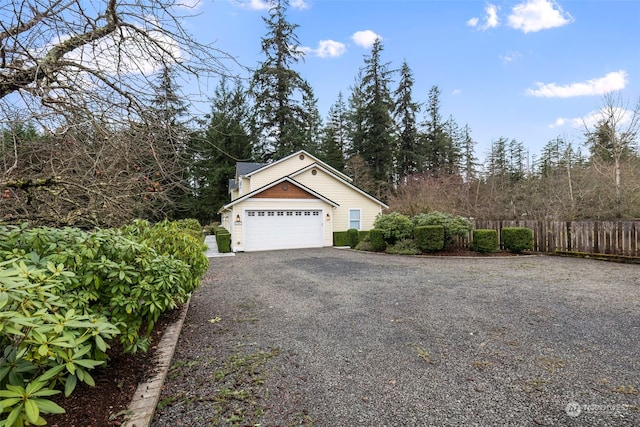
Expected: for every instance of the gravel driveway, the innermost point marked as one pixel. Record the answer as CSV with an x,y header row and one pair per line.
x,y
331,337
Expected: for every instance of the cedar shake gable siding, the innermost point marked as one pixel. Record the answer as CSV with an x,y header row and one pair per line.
x,y
284,190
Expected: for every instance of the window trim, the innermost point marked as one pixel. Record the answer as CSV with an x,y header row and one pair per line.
x,y
349,220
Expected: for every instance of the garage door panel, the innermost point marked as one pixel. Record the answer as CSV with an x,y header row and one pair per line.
x,y
283,229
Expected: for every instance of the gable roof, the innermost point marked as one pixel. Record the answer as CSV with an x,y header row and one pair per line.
x,y
297,153
273,184
345,182
245,168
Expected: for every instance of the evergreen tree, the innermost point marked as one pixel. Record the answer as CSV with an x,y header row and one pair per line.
x,y
166,135
440,153
334,138
517,160
285,113
409,155
469,162
454,138
356,118
216,149
377,144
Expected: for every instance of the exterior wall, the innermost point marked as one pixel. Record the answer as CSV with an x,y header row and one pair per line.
x,y
278,170
345,196
237,236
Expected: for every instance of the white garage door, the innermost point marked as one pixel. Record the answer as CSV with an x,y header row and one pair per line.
x,y
283,229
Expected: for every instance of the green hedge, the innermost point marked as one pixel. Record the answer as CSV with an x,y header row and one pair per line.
x,y
394,226
353,237
340,238
376,237
485,241
517,239
223,240
430,238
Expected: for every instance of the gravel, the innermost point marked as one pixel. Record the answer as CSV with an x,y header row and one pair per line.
x,y
331,337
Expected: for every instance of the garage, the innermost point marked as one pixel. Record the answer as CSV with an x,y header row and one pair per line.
x,y
283,229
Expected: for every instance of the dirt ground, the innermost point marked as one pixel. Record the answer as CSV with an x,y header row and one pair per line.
x,y
331,337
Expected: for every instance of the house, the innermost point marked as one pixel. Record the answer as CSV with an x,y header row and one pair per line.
x,y
295,202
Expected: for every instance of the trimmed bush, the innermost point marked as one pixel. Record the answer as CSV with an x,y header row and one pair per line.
x,y
353,237
340,238
430,238
376,237
223,240
517,239
454,226
363,235
365,244
403,247
485,241
395,226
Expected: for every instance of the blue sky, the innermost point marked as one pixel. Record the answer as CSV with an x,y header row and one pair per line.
x,y
530,70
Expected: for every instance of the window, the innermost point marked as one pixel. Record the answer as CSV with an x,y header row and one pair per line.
x,y
354,218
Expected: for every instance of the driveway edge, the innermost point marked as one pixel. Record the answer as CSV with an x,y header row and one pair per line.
x,y
147,395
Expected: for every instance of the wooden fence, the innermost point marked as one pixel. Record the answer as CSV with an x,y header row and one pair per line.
x,y
597,237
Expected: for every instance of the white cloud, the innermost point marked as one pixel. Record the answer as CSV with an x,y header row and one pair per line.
x,y
591,119
456,92
491,19
127,52
299,4
365,38
510,56
266,4
558,123
611,82
325,49
330,49
255,4
536,15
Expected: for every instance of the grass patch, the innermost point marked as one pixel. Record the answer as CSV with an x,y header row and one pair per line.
x,y
481,364
550,364
423,354
626,389
234,388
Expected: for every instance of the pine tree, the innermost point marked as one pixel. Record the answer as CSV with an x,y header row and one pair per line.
x,y
377,145
437,143
469,162
166,134
285,113
334,138
216,149
409,154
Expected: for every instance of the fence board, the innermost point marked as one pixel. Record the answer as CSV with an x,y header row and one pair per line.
x,y
604,237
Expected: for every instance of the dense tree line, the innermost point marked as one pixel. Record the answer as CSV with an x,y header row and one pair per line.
x,y
157,161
